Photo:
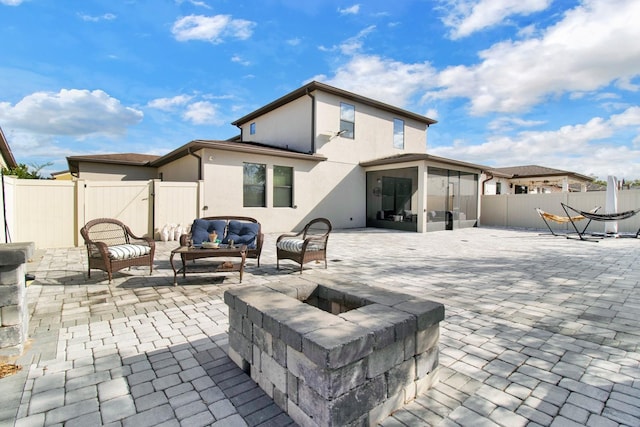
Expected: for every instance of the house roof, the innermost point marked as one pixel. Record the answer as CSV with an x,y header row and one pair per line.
x,y
412,157
131,159
313,86
6,153
234,145
531,171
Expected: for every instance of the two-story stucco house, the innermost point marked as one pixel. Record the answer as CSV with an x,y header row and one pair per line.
x,y
320,151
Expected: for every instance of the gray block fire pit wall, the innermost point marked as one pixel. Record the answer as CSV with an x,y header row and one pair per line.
x,y
14,310
335,354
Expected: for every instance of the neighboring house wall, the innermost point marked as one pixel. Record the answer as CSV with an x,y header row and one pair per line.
x,y
91,171
491,186
185,169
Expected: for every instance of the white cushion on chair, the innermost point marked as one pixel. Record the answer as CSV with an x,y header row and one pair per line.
x,y
295,245
119,252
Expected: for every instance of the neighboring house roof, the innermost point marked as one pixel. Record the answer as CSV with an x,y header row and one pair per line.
x,y
531,171
310,87
132,159
233,145
412,157
6,153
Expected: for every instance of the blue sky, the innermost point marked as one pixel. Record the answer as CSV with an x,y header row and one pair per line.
x,y
511,82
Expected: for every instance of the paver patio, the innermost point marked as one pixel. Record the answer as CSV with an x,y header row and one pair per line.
x,y
538,330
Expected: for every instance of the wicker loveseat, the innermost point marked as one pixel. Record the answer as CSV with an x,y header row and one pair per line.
x,y
241,229
111,246
308,245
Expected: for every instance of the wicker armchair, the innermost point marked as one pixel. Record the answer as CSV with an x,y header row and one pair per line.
x,y
308,245
111,246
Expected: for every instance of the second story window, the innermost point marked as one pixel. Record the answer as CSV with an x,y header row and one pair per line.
x,y
398,133
252,128
347,120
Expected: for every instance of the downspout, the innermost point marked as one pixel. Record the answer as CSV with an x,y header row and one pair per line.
x,y
313,121
489,178
199,163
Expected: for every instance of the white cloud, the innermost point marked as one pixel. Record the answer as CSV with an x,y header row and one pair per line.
x,y
90,18
382,79
580,53
169,104
195,3
72,112
203,113
352,10
11,2
465,17
239,60
211,28
586,148
294,42
352,45
504,124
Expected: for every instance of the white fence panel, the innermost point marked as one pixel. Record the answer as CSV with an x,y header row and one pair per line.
x,y
44,213
518,210
175,203
7,195
126,201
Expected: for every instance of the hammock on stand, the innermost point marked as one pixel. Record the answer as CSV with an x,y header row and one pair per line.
x,y
592,216
546,216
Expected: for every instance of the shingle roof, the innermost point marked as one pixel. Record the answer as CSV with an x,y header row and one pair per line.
x,y
133,159
313,86
6,153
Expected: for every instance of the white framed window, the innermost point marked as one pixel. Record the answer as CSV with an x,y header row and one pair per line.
x,y
282,187
254,185
398,133
347,120
252,128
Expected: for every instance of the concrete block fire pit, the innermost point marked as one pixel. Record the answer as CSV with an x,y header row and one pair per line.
x,y
333,354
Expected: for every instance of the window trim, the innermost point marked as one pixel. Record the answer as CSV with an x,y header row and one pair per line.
x,y
245,185
398,144
347,131
290,187
252,128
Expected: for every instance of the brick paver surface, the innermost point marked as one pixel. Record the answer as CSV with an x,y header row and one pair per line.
x,y
538,330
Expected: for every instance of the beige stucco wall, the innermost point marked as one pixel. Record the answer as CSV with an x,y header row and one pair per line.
x,y
185,169
373,132
287,127
321,189
112,172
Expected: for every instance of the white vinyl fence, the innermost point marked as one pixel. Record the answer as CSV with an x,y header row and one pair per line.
x,y
51,213
518,210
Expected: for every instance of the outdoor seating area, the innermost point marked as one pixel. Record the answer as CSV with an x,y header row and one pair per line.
x,y
111,247
534,331
606,217
310,244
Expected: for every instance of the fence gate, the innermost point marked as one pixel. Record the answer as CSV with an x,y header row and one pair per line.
x,y
130,202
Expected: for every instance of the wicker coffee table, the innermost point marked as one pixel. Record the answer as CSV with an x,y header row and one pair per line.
x,y
222,266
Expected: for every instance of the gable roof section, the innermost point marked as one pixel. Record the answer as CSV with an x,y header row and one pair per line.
x,y
233,145
313,86
412,157
130,159
531,171
6,153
